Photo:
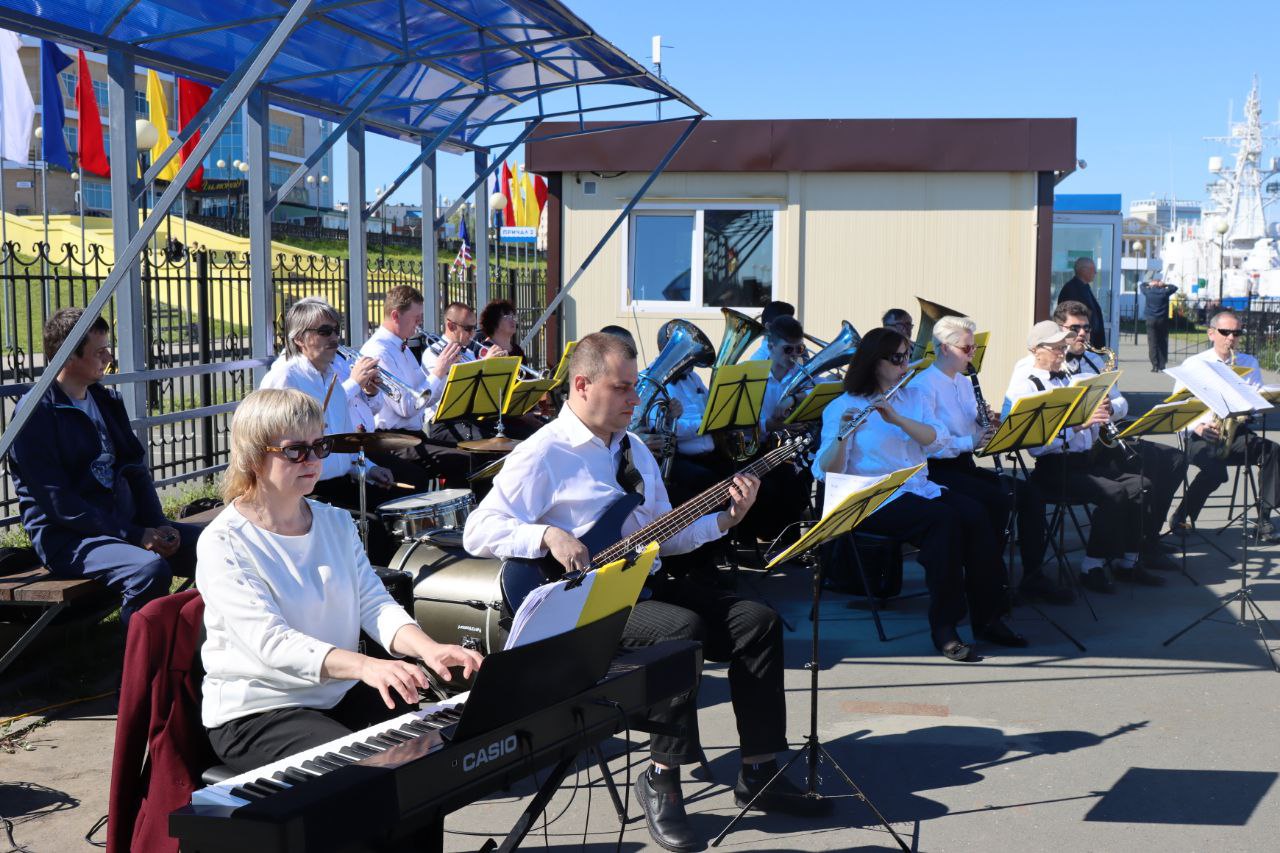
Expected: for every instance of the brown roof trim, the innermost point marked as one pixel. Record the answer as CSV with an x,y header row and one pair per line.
x,y
816,145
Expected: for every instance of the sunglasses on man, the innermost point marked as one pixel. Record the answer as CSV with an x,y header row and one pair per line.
x,y
463,326
301,452
1235,333
1077,328
326,331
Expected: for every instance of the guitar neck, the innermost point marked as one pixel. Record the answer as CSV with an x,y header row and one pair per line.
x,y
671,523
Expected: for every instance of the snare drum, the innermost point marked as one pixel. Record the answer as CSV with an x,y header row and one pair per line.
x,y
457,597
412,517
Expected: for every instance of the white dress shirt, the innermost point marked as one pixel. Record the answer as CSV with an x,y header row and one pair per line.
x,y
362,408
564,476
877,448
407,412
691,392
276,605
955,410
764,352
1024,382
430,357
298,373
773,395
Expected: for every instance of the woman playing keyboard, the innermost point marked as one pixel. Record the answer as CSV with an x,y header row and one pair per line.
x,y
287,589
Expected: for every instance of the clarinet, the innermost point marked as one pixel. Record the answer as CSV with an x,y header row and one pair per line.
x,y
984,412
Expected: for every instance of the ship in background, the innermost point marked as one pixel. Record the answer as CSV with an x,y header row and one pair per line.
x,y
1231,253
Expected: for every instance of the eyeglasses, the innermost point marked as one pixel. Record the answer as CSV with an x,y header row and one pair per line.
x,y
1053,347
1232,332
301,452
792,349
462,326
326,331
1077,328
897,359
965,350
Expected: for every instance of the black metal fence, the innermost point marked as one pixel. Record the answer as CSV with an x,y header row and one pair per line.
x,y
198,312
1189,322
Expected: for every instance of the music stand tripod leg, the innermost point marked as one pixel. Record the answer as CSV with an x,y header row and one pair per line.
x,y
813,748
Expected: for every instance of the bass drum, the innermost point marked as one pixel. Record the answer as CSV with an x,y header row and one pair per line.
x,y
457,598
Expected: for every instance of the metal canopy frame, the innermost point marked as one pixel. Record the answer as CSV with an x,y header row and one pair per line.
x,y
266,46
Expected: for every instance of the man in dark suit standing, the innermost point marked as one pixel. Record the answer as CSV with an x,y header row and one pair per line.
x,y
1156,295
1078,289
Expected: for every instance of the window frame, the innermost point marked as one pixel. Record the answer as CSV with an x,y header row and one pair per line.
x,y
693,307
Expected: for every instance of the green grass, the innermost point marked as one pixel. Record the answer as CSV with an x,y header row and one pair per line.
x,y
179,496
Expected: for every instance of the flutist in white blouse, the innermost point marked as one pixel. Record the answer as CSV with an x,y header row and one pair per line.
x,y
958,550
949,390
287,590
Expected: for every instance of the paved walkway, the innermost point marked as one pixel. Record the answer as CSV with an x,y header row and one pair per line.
x,y
1131,746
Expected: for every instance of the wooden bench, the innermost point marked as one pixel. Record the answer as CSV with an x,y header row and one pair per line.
x,y
40,588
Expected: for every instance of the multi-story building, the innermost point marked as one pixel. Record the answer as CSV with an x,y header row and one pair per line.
x,y
292,138
1164,212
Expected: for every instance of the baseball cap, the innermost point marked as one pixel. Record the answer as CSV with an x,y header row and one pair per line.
x,y
1046,332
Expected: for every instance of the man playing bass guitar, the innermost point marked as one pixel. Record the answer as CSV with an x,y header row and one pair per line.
x,y
549,495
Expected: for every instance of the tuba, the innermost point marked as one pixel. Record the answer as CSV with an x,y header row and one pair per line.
x,y
930,313
686,347
836,354
739,331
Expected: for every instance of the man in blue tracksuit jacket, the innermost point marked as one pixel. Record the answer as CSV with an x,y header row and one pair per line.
x,y
84,489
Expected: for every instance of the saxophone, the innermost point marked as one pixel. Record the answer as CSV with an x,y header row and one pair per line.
x,y
1226,426
1108,434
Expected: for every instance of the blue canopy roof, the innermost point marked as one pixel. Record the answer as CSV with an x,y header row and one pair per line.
x,y
441,54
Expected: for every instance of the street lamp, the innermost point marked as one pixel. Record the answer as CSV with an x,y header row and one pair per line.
x,y
75,177
311,186
497,203
1221,226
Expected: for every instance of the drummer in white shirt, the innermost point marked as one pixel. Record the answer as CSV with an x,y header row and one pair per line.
x,y
287,590
1204,444
958,550
401,318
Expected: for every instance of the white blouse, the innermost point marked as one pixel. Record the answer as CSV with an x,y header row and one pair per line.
x,y
955,409
877,448
275,605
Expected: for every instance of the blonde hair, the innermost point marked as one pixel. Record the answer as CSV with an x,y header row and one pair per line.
x,y
950,329
263,418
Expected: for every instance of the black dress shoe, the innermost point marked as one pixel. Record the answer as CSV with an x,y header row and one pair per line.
x,y
664,813
951,646
1096,580
1159,560
783,796
998,631
1038,585
1137,574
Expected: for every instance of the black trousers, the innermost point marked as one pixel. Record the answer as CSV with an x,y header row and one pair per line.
x,y
958,551
1212,471
999,495
1158,342
1161,464
249,742
1117,522
432,460
691,475
783,499
746,634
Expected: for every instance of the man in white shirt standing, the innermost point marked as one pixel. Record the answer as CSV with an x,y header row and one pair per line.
x,y
552,490
401,317
1205,444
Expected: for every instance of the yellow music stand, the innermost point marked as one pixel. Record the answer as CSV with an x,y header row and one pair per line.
x,y
477,389
812,406
980,341
1164,418
526,395
563,367
735,398
1096,388
1034,420
847,514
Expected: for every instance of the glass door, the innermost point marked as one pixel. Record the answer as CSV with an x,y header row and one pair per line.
x,y
1094,236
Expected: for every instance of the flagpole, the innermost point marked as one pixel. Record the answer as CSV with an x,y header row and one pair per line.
x,y
4,222
44,192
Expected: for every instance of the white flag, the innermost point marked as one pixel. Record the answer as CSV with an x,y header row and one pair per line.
x,y
17,109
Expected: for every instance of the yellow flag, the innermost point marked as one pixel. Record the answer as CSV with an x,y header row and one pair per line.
x,y
517,202
160,118
530,208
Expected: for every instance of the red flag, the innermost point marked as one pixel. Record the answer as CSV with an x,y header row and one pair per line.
x,y
192,97
508,212
540,191
90,153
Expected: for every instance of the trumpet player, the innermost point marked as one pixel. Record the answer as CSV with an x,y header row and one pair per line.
x,y
457,344
1161,464
1205,443
965,425
389,344
958,550
771,311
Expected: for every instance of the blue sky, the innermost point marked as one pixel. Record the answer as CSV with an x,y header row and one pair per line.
x,y
1146,80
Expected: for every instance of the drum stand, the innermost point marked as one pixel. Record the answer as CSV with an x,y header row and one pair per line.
x,y
362,476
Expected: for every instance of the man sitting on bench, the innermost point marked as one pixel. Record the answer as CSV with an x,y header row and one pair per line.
x,y
83,485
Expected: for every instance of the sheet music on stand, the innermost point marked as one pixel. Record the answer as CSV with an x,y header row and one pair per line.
x,y
1096,388
477,389
1034,420
527,394
1219,387
813,404
554,608
1165,418
735,397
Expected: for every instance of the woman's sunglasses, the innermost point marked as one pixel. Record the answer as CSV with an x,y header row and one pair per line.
x,y
301,452
897,359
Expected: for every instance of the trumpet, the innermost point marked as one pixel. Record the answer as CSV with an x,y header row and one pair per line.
x,y
388,383
527,373
861,418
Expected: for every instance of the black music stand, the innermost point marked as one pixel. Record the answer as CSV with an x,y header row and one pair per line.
x,y
847,515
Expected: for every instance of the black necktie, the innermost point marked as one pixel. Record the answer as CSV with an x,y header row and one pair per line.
x,y
628,477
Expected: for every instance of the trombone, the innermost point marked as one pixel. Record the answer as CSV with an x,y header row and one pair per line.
x,y
388,383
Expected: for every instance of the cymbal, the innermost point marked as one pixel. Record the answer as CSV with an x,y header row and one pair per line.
x,y
497,444
354,442
488,471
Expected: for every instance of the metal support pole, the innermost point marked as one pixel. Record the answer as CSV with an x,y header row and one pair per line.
x,y
527,343
430,286
480,234
130,323
357,240
261,291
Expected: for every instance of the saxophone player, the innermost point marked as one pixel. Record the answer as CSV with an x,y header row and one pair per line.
x,y
966,424
1161,464
1204,442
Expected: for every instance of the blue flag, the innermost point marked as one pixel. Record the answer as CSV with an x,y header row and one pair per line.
x,y
54,146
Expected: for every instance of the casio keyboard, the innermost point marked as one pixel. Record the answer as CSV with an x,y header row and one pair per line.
x,y
397,780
